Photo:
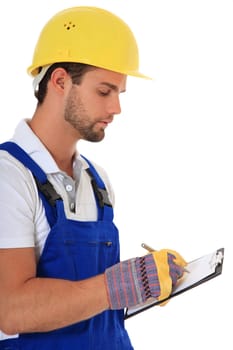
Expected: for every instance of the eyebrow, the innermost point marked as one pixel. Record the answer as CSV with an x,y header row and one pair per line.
x,y
111,86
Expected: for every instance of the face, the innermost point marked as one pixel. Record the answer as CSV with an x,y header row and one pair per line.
x,y
91,106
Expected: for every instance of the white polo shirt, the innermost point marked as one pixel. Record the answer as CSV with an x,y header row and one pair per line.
x,y
22,217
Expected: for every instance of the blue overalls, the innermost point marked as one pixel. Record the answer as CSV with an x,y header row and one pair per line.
x,y
74,250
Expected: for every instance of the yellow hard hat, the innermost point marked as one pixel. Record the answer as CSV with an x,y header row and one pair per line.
x,y
87,35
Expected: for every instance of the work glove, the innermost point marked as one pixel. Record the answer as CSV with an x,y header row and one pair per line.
x,y
134,281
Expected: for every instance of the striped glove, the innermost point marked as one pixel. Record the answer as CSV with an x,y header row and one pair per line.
x,y
133,281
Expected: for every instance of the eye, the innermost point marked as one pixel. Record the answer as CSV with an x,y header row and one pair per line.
x,y
104,92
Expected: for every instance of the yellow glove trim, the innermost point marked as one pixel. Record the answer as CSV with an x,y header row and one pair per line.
x,y
178,258
165,281
163,270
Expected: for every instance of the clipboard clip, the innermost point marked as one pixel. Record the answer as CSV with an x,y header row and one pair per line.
x,y
219,257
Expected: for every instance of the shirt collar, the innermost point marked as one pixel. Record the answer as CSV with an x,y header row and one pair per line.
x,y
26,139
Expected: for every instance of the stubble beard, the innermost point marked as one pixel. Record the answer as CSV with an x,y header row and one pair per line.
x,y
75,114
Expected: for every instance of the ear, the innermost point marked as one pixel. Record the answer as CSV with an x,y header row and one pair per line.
x,y
58,79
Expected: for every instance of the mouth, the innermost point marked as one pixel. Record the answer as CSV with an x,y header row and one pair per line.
x,y
104,123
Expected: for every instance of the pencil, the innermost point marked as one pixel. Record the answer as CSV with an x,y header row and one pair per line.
x,y
150,250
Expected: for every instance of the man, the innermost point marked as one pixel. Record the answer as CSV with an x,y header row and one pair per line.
x,y
61,283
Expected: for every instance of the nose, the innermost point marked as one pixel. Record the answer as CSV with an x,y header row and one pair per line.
x,y
114,105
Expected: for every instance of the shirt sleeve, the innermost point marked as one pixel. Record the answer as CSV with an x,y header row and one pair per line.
x,y
17,204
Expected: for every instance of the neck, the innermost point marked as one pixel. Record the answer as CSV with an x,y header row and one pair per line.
x,y
61,147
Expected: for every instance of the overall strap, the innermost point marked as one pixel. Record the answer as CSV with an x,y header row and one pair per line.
x,y
105,210
46,191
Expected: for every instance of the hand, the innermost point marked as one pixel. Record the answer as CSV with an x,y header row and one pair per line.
x,y
133,281
170,268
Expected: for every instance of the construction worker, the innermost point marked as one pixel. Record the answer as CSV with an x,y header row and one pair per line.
x,y
62,285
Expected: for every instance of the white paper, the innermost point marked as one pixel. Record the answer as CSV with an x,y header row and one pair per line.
x,y
198,269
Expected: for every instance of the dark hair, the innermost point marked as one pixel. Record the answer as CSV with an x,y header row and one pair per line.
x,y
75,70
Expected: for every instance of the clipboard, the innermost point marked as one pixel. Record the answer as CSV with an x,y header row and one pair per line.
x,y
200,270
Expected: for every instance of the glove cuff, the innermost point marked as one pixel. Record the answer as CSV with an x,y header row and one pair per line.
x,y
132,282
122,285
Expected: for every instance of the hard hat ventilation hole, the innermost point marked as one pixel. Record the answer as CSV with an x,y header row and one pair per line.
x,y
69,26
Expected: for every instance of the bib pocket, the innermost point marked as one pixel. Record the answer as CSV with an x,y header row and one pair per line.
x,y
79,250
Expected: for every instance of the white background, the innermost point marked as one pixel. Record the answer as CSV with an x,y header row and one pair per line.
x,y
169,154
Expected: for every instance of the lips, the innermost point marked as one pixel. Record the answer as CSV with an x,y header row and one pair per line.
x,y
105,122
